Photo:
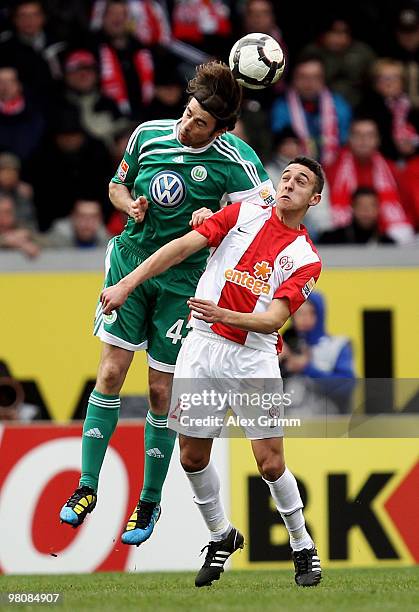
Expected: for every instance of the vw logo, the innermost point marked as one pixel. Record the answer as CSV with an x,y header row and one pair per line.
x,y
167,189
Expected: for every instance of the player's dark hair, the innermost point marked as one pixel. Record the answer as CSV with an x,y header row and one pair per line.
x,y
218,92
314,166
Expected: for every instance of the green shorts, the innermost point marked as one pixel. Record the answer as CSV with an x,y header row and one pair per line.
x,y
155,315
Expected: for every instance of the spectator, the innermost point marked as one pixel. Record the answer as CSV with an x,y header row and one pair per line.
x,y
12,234
205,24
148,20
361,164
15,402
22,193
149,25
363,228
32,49
240,131
169,93
126,68
99,115
346,61
118,218
120,142
259,16
409,182
21,122
391,109
83,228
287,146
322,363
405,48
69,163
319,117
67,19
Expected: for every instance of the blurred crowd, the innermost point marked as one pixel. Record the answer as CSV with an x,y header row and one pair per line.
x,y
77,77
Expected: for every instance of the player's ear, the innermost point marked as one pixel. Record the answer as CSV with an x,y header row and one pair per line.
x,y
315,199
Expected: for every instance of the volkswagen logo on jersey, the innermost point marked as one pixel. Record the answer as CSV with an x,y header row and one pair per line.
x,y
167,189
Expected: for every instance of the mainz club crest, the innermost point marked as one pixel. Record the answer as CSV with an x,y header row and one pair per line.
x,y
286,263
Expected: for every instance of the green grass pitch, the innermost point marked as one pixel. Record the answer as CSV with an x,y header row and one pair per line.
x,y
341,590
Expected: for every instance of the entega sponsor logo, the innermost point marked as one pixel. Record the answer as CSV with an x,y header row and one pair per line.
x,y
244,279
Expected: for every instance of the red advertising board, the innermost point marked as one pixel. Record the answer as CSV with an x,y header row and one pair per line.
x,y
39,469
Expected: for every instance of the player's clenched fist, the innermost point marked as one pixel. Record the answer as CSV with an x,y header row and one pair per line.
x,y
138,208
199,216
113,297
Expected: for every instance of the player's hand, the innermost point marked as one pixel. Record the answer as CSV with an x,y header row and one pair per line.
x,y
138,208
199,216
113,297
206,310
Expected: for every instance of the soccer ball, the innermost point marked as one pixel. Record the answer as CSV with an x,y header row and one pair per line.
x,y
257,61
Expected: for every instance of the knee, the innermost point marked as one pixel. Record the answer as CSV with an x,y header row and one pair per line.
x,y
110,376
193,461
271,467
159,396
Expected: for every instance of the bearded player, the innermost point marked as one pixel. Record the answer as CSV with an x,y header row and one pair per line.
x,y
170,170
263,268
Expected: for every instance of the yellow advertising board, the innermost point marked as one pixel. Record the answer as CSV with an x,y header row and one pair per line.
x,y
361,501
46,336
47,319
348,292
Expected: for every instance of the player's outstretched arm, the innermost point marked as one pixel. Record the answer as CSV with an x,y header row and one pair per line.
x,y
261,322
169,255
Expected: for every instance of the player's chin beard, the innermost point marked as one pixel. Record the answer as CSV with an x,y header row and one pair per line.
x,y
187,142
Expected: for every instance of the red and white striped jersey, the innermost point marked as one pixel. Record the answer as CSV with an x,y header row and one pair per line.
x,y
255,259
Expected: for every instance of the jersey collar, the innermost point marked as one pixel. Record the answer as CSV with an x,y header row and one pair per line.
x,y
302,231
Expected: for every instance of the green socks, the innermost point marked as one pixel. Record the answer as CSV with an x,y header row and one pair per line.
x,y
101,419
99,425
158,447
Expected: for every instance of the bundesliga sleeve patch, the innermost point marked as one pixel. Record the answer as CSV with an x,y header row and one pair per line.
x,y
308,287
267,196
123,170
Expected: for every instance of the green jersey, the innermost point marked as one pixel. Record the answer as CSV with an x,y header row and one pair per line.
x,y
177,180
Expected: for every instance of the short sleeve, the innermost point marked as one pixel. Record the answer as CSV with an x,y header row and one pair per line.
x,y
247,180
127,170
299,285
218,226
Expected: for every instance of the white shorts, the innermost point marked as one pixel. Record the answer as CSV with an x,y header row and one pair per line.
x,y
213,374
